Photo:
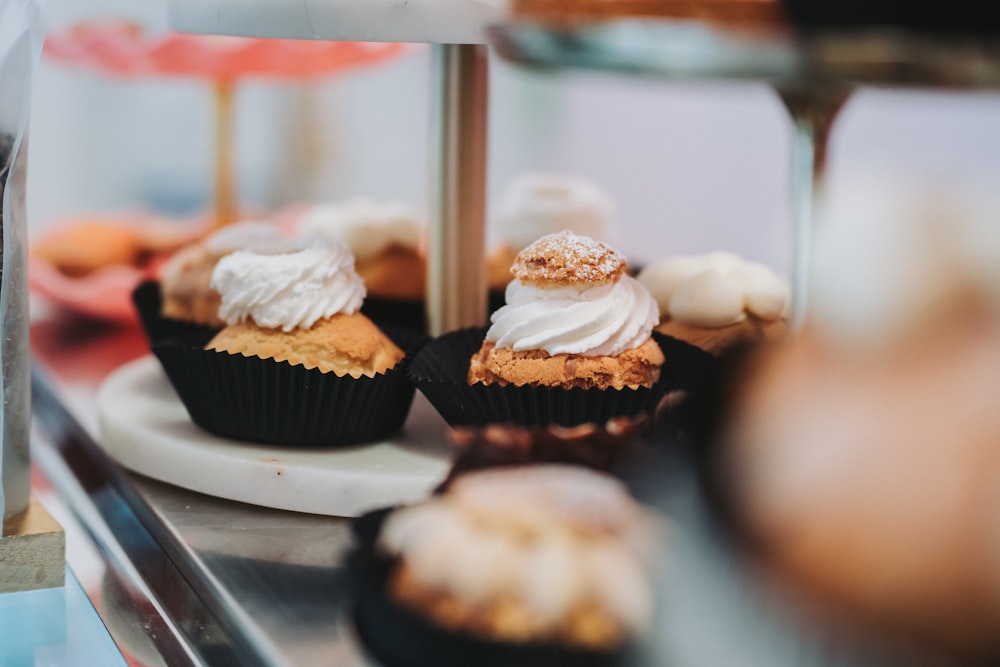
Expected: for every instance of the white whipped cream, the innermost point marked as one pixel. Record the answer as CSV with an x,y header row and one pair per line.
x,y
537,204
288,290
715,290
369,227
593,321
547,549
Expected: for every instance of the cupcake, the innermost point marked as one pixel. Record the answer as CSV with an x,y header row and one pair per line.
x,y
300,307
717,301
296,364
537,204
573,319
185,279
515,562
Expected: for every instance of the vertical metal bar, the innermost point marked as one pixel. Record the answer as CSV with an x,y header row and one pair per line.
x,y
456,277
813,112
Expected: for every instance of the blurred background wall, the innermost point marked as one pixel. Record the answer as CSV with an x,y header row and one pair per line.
x,y
692,167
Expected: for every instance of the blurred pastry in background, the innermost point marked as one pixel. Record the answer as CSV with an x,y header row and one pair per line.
x,y
80,249
548,554
538,204
718,300
89,265
387,239
573,319
862,457
185,279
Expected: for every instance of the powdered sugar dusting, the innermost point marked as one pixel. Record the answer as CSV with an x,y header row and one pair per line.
x,y
566,258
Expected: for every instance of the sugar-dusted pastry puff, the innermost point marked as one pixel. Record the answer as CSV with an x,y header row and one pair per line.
x,y
385,237
564,559
717,301
573,319
300,307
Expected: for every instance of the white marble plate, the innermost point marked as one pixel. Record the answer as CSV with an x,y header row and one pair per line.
x,y
144,427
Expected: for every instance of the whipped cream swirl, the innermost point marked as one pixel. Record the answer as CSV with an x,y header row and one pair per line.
x,y
594,320
288,290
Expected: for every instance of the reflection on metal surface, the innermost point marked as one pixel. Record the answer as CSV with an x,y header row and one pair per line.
x,y
695,50
186,628
206,580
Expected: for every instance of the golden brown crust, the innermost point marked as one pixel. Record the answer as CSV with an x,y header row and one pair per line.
x,y
565,259
506,618
397,273
342,344
718,340
638,367
750,13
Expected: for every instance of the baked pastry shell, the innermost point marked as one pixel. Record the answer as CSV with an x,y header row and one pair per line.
x,y
440,371
400,637
274,402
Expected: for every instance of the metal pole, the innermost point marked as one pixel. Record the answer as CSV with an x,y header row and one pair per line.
x,y
456,277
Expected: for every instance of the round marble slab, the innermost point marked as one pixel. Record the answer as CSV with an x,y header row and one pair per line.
x,y
145,428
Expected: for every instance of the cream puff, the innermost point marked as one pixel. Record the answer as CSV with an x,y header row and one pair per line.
x,y
573,319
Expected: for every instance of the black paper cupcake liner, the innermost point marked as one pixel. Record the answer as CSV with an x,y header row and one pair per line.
x,y
441,369
148,301
399,637
274,402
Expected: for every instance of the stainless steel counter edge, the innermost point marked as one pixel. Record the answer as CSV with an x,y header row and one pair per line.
x,y
191,621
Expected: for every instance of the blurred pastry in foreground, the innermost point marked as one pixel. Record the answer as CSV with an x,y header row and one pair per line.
x,y
301,307
385,237
717,301
862,458
185,279
540,203
573,319
547,554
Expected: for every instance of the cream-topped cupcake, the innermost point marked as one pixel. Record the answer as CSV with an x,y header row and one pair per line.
x,y
385,237
185,279
541,203
573,318
717,300
544,554
301,307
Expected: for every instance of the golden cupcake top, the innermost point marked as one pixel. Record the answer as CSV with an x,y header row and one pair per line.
x,y
566,259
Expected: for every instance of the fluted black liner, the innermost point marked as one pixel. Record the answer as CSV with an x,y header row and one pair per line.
x,y
399,637
441,369
148,301
274,402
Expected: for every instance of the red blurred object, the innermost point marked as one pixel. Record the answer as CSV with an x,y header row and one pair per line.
x,y
123,48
